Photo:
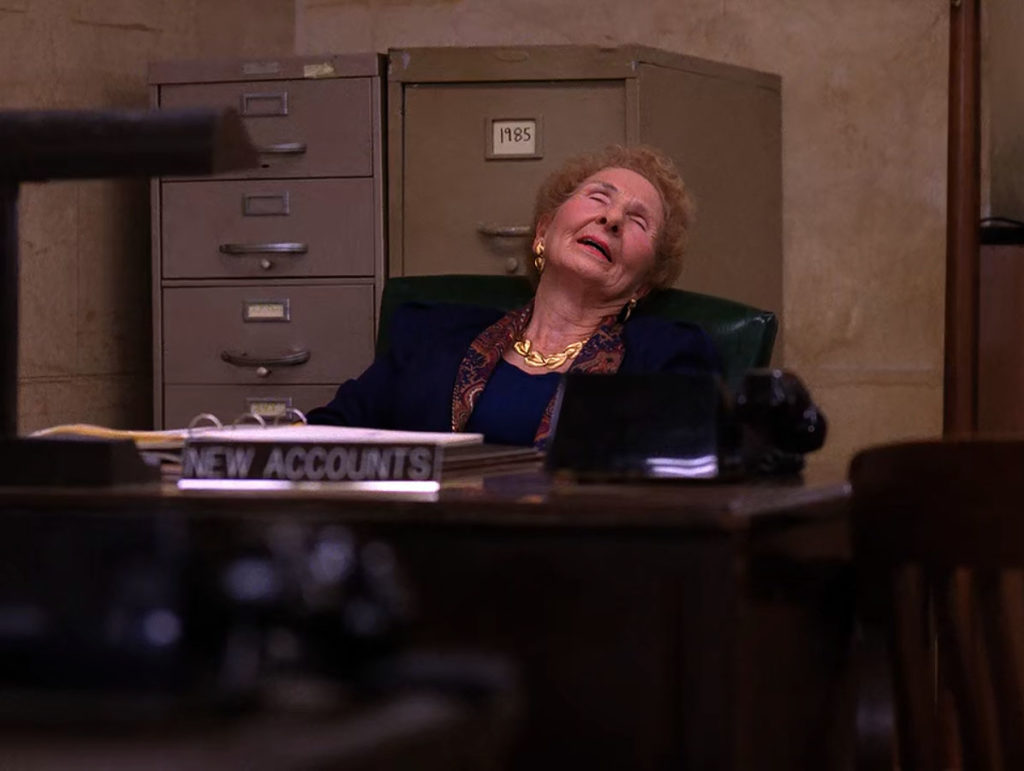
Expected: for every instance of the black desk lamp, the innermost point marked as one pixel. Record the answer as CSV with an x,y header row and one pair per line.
x,y
48,145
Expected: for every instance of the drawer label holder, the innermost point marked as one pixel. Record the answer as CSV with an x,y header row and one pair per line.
x,y
266,204
268,406
511,138
266,310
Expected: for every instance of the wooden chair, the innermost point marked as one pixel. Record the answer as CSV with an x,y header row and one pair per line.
x,y
939,541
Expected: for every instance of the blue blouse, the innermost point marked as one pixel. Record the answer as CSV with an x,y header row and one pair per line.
x,y
512,404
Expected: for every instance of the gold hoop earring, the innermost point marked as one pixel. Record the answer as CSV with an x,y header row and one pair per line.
x,y
538,261
627,311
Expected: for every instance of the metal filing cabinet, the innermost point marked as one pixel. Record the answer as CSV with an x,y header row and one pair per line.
x,y
266,281
472,132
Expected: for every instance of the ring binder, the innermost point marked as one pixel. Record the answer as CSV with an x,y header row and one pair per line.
x,y
288,452
214,420
171,438
249,419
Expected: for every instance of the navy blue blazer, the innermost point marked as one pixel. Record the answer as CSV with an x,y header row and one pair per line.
x,y
410,387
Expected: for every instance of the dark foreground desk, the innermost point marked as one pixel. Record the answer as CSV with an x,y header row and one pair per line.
x,y
699,626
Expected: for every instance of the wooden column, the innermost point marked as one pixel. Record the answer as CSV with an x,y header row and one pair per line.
x,y
960,402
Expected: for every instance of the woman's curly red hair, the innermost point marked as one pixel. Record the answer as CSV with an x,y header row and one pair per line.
x,y
654,166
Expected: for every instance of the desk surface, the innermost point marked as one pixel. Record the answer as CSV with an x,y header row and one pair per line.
x,y
526,498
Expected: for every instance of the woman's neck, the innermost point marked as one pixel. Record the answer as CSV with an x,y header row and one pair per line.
x,y
561,318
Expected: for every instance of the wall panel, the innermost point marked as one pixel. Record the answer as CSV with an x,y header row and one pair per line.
x,y
85,287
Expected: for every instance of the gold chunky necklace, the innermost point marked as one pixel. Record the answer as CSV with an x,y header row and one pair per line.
x,y
553,360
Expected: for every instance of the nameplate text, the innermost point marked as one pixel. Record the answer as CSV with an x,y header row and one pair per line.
x,y
311,462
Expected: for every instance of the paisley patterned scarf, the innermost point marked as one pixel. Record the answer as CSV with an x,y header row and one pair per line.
x,y
601,354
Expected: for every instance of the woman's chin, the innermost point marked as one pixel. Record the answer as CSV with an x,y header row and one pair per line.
x,y
590,267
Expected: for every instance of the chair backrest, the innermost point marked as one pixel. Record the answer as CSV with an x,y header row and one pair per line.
x,y
744,335
939,542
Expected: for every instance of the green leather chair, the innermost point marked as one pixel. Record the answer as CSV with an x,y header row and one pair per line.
x,y
744,335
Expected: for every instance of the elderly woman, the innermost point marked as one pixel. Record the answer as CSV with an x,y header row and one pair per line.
x,y
609,227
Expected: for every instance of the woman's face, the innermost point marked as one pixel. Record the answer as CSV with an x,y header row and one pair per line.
x,y
605,233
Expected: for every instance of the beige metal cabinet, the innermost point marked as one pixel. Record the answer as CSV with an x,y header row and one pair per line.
x,y
473,131
266,281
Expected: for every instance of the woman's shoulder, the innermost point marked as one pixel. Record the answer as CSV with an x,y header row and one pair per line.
x,y
655,330
655,342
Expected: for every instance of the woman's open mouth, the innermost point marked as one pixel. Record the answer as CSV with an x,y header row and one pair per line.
x,y
593,243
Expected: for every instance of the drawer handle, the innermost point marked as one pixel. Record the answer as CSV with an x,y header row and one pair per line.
x,y
281,247
243,359
284,148
505,231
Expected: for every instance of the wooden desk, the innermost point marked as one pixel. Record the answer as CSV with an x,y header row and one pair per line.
x,y
688,626
409,732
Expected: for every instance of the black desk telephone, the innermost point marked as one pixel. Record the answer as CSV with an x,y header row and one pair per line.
x,y
683,426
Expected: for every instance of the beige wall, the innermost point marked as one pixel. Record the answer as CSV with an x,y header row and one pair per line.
x,y
85,287
864,137
864,99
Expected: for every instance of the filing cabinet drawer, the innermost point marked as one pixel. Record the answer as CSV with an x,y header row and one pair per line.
x,y
267,334
268,229
447,144
183,402
315,128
